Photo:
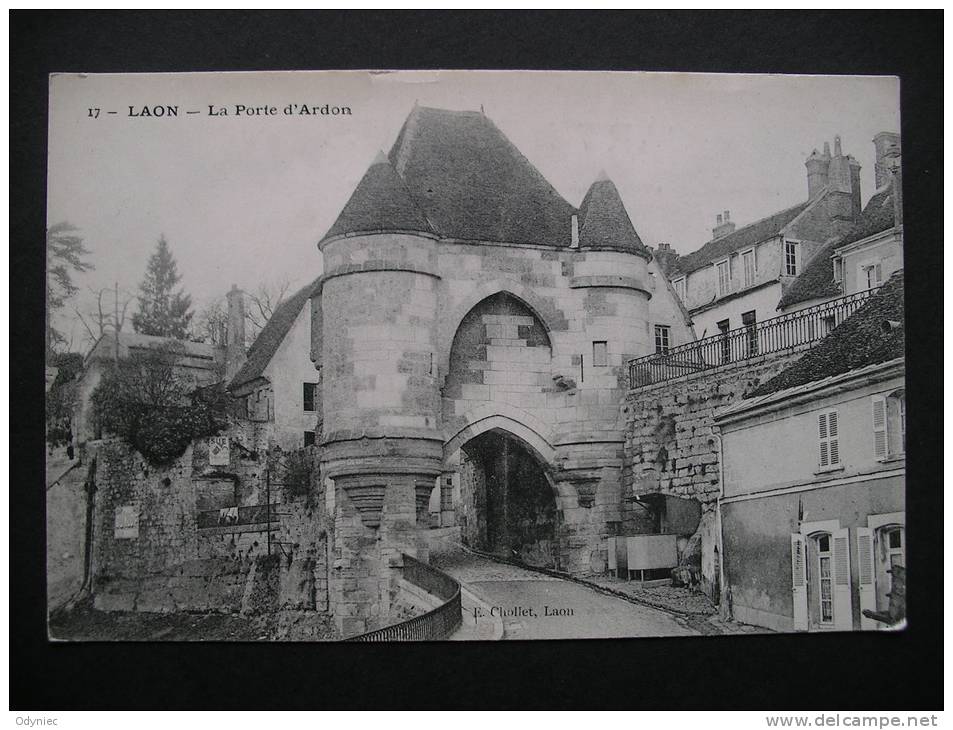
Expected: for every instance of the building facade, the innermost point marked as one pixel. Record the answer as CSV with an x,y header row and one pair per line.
x,y
812,511
278,382
475,330
738,277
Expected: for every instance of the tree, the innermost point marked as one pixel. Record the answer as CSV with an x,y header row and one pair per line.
x,y
143,400
212,321
105,318
162,311
262,305
66,254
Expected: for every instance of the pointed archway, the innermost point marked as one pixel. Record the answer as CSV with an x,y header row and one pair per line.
x,y
508,503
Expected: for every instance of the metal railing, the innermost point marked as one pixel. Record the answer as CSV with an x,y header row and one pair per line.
x,y
771,335
433,625
232,516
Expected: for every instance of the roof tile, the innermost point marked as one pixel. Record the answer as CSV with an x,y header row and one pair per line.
x,y
604,222
857,342
739,240
273,333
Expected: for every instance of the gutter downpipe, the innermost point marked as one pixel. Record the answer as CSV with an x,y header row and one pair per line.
x,y
725,598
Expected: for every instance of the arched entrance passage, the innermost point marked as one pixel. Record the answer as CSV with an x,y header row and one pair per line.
x,y
507,502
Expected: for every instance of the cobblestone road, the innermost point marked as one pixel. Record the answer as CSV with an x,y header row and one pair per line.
x,y
538,606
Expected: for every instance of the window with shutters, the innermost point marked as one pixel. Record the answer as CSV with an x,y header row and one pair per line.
x,y
871,276
824,597
724,277
889,416
748,267
822,593
827,440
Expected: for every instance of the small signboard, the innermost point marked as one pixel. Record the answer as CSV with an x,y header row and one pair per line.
x,y
127,522
218,451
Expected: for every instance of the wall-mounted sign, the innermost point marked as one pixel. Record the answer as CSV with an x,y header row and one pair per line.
x,y
127,522
218,451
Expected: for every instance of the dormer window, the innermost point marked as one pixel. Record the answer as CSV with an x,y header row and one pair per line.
x,y
748,266
791,258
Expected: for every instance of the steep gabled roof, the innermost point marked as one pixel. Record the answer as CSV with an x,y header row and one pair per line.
x,y
739,240
380,202
472,183
604,222
876,217
857,342
273,334
817,279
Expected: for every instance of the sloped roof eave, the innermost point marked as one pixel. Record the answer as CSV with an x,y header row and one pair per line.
x,y
790,397
376,232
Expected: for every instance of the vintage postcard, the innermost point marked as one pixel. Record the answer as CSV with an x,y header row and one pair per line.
x,y
416,356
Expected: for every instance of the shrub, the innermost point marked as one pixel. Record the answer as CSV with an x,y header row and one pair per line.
x,y
143,401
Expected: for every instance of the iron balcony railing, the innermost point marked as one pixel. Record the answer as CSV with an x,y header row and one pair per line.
x,y
432,626
232,516
771,335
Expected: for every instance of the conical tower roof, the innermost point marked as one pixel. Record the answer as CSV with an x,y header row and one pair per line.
x,y
380,202
474,184
604,222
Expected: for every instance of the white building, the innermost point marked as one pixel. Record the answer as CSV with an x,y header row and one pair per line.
x,y
813,505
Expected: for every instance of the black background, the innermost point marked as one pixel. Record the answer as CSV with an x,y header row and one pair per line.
x,y
860,672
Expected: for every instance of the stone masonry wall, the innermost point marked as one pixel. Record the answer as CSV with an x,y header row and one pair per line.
x,y
671,448
157,558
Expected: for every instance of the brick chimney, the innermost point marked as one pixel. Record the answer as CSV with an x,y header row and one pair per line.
x,y
818,167
723,226
235,333
844,182
666,258
886,146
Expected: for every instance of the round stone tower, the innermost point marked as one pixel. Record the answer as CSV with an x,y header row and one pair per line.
x,y
381,407
611,273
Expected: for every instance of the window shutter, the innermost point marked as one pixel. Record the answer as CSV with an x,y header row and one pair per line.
x,y
878,274
822,436
833,448
879,405
843,612
866,579
799,581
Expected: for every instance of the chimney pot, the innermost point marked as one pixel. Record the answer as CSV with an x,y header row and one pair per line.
x,y
837,149
718,219
235,334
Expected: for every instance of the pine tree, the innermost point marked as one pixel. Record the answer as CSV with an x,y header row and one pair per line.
x,y
162,312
